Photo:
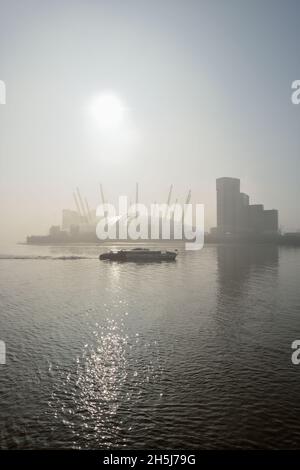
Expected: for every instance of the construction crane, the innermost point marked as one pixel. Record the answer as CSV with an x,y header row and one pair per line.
x,y
81,205
169,199
88,210
187,202
137,193
76,204
188,197
174,208
170,194
136,198
102,194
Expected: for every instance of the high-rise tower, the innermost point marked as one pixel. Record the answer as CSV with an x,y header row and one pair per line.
x,y
228,205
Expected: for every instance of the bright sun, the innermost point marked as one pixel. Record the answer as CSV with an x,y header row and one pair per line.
x,y
107,111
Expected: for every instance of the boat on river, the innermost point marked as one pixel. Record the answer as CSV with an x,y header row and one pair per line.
x,y
139,254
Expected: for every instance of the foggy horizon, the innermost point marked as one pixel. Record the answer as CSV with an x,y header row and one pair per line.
x,y
150,232
202,101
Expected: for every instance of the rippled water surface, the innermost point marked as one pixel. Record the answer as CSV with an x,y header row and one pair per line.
x,y
195,353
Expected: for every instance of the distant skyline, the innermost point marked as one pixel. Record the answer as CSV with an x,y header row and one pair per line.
x,y
205,87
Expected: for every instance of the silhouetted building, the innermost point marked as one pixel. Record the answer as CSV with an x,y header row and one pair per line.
x,y
243,222
228,204
54,231
256,218
235,216
70,218
271,221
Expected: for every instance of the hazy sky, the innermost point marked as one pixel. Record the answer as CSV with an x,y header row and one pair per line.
x,y
207,91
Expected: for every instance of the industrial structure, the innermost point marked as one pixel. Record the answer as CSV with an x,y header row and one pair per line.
x,y
79,224
237,219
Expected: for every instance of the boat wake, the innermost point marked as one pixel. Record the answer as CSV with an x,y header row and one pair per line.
x,y
35,257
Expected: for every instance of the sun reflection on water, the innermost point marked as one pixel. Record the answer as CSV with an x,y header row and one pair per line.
x,y
107,379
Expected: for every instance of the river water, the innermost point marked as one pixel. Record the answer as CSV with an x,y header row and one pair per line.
x,y
190,354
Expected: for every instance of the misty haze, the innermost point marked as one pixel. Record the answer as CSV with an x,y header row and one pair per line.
x,y
147,341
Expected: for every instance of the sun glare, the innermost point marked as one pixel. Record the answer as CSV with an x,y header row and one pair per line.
x,y
107,110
